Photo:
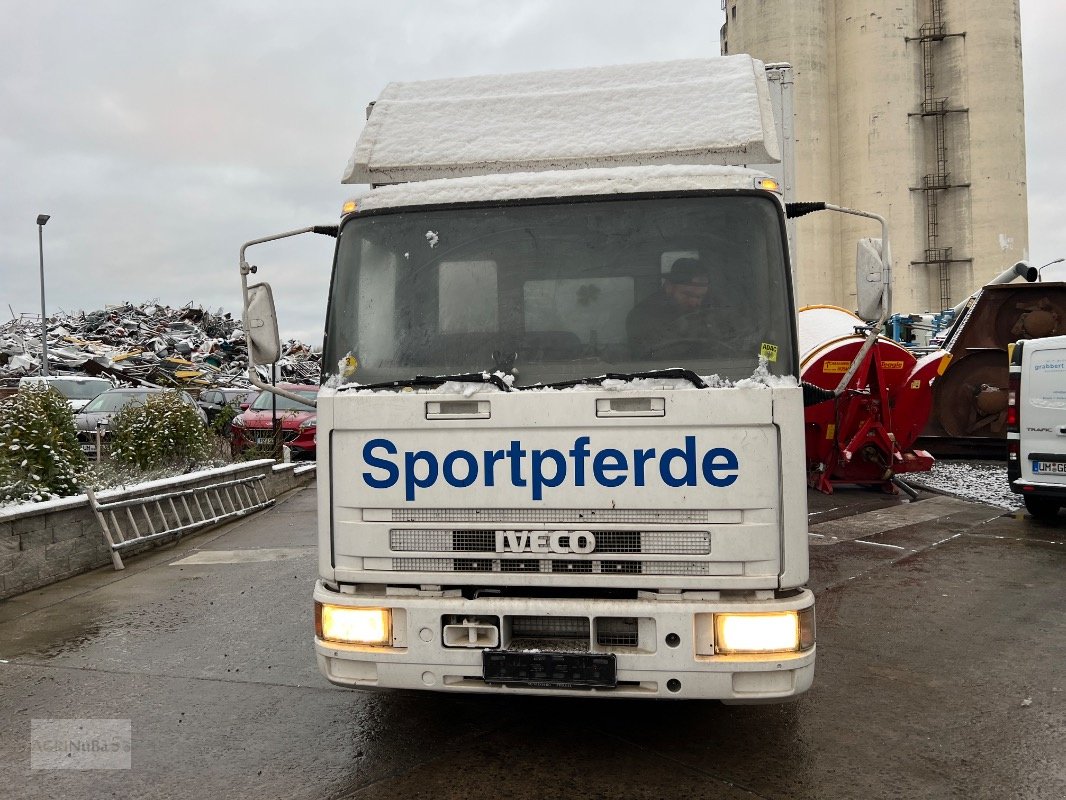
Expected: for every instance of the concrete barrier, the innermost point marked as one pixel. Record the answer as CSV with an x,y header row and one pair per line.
x,y
41,543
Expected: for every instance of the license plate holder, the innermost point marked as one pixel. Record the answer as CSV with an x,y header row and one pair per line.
x,y
550,670
1049,467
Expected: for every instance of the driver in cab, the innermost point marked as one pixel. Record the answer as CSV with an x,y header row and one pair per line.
x,y
675,321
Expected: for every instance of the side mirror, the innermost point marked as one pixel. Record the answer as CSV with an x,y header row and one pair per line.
x,y
261,325
869,279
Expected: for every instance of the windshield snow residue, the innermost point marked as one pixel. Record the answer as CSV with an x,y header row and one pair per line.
x,y
760,378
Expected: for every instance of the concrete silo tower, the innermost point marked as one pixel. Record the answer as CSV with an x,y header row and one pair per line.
x,y
911,109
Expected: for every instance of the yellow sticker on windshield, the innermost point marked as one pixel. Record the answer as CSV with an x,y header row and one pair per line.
x,y
349,366
768,351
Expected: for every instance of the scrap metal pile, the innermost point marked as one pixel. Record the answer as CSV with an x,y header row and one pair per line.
x,y
187,347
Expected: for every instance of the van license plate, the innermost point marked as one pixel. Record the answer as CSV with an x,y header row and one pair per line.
x,y
1050,467
561,670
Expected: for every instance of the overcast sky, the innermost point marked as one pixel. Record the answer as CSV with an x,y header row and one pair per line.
x,y
159,137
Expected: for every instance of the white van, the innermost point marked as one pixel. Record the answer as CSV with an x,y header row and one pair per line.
x,y
1036,424
78,389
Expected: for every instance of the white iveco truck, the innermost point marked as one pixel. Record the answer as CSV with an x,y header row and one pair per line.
x,y
560,437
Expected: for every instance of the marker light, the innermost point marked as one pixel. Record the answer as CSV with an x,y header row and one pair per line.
x,y
786,631
1014,389
768,184
348,207
354,625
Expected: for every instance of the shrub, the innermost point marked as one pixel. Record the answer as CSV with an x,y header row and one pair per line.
x,y
164,431
39,453
220,426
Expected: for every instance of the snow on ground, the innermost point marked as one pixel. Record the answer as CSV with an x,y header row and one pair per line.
x,y
983,481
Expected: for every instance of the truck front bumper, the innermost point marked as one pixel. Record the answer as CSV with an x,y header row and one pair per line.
x,y
668,650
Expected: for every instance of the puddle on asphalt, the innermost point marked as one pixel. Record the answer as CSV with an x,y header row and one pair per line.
x,y
62,631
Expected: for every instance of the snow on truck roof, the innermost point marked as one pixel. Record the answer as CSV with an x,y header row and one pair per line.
x,y
558,183
697,111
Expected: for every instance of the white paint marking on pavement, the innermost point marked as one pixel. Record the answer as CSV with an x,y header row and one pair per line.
x,y
243,556
937,544
881,520
880,544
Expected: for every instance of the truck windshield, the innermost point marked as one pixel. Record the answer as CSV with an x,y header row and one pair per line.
x,y
557,291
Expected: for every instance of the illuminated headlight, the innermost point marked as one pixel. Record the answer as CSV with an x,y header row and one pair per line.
x,y
354,625
786,631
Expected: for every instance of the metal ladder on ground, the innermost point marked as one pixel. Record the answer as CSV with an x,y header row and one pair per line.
x,y
126,523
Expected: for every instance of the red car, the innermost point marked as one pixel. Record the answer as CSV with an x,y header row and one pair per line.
x,y
254,427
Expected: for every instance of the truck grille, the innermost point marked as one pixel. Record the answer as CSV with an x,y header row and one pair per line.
x,y
616,632
550,627
551,566
570,634
691,543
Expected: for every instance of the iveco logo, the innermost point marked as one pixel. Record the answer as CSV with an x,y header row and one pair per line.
x,y
545,542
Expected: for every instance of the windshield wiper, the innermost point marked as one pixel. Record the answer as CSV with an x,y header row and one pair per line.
x,y
435,380
672,372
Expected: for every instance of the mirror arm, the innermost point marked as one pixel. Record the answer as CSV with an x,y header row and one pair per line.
x,y
250,269
799,210
886,256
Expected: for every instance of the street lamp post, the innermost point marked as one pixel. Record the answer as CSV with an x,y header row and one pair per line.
x,y
41,220
1048,264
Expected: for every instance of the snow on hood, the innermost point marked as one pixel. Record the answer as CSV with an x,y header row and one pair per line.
x,y
761,378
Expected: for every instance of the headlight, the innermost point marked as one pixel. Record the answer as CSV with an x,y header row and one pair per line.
x,y
238,422
354,625
786,631
310,422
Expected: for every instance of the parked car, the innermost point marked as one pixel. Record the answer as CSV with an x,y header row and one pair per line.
x,y
254,427
78,389
212,401
102,408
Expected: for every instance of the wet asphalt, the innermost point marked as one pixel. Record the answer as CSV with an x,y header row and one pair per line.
x,y
941,674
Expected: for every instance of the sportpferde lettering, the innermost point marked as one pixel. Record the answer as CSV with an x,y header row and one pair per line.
x,y
542,470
